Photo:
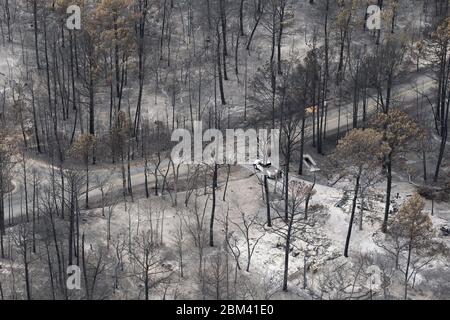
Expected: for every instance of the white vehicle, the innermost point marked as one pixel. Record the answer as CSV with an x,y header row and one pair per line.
x,y
267,169
310,163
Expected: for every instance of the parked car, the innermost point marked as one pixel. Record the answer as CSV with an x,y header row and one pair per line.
x,y
267,169
445,230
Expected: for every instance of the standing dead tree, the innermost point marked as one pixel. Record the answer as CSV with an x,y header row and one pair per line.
x,y
410,240
440,56
146,262
195,222
398,130
6,165
83,148
246,227
359,155
296,222
22,240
